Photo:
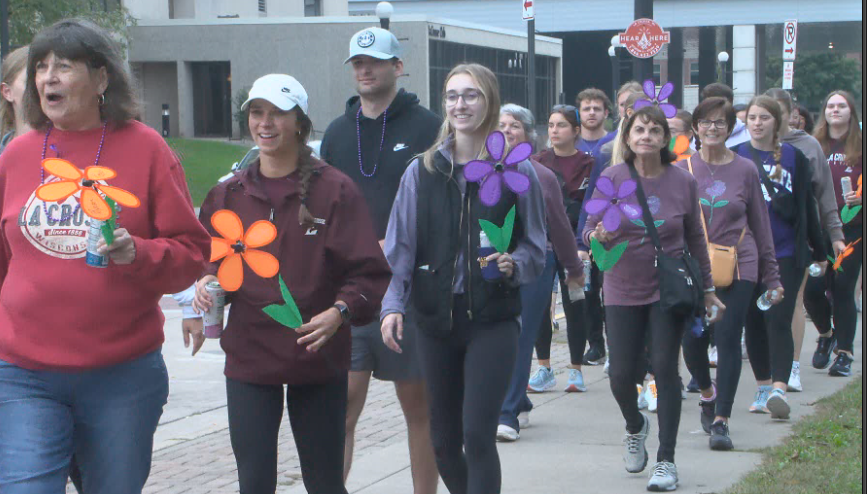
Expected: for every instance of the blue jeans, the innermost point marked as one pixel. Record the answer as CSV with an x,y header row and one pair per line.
x,y
535,299
105,417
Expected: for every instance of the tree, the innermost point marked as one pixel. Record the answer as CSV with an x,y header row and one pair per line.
x,y
28,17
816,75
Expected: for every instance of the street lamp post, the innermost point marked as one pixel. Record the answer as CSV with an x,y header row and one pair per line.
x,y
384,10
722,58
615,64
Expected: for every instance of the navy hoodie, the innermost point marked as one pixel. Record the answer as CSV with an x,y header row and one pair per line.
x,y
410,129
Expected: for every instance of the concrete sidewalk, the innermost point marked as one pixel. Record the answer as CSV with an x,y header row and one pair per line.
x,y
574,443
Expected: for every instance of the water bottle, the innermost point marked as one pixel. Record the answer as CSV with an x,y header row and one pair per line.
x,y
815,270
711,315
764,302
576,294
588,271
846,185
490,271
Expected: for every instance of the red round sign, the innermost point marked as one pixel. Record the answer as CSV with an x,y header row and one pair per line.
x,y
644,38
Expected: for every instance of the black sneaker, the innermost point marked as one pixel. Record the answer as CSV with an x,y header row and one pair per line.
x,y
693,387
719,437
595,356
708,413
842,366
824,348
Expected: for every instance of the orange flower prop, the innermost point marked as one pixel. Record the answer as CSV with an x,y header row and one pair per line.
x,y
858,192
679,146
236,245
73,180
846,253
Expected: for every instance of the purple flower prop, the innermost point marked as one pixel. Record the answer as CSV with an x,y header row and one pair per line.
x,y
492,175
612,216
665,91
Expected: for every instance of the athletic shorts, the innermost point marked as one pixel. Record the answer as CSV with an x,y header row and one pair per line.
x,y
369,353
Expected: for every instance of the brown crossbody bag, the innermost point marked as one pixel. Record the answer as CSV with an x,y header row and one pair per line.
x,y
723,259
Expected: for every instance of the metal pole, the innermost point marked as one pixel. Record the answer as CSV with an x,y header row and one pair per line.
x,y
615,74
643,68
4,28
531,66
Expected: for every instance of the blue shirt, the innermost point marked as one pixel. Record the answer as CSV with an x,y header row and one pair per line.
x,y
783,232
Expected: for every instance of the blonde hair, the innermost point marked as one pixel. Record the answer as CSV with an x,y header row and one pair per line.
x,y
486,83
14,63
619,148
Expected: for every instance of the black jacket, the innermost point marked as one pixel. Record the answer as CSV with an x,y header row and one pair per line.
x,y
410,129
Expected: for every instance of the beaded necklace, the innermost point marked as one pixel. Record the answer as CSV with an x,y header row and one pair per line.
x,y
381,142
42,171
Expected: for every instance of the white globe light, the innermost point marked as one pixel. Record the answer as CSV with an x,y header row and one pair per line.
x,y
384,10
615,41
723,57
612,52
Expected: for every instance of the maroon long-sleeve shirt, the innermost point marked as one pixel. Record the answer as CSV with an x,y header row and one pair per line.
x,y
559,230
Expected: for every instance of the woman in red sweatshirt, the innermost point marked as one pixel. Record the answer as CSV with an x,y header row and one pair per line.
x,y
81,370
332,265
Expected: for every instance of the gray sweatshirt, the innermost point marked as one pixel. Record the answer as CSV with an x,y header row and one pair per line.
x,y
823,182
401,236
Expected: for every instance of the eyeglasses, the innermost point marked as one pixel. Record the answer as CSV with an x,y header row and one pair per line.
x,y
719,124
469,97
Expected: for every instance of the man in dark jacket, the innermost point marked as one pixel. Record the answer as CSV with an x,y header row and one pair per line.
x,y
373,143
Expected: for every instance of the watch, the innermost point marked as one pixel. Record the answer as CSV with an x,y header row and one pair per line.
x,y
344,312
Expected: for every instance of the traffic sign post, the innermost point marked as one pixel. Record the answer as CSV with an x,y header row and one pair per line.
x,y
790,40
529,15
529,11
788,75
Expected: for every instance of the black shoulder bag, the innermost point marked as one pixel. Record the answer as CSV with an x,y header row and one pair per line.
x,y
680,283
782,201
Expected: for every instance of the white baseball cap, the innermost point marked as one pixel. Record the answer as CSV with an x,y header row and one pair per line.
x,y
374,42
281,90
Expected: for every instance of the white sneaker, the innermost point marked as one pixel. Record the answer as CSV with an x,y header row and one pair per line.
x,y
664,478
524,420
636,453
712,356
506,434
607,365
651,396
795,378
642,399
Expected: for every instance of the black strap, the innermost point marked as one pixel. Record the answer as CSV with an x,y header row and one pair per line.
x,y
763,174
645,210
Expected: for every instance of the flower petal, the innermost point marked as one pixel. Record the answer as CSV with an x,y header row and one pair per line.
x,y
220,248
519,153
490,191
641,104
57,191
681,144
94,205
62,169
123,197
626,189
262,263
630,210
228,224
231,273
606,186
649,88
596,206
611,220
665,91
496,144
476,170
669,110
99,173
260,233
518,182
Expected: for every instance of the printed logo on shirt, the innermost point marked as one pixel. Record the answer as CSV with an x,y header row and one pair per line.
x,y
785,181
400,147
62,233
585,184
313,230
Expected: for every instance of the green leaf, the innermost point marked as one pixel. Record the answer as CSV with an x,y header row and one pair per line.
x,y
848,214
704,202
639,223
607,259
720,204
500,238
658,223
287,314
110,224
831,259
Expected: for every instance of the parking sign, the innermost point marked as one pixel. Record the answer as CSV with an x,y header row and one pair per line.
x,y
790,40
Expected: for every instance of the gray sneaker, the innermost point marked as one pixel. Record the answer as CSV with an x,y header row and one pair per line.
x,y
636,454
664,478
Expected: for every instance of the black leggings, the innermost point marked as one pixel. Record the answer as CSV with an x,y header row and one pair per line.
x,y
468,373
317,414
842,289
727,336
575,324
769,334
594,314
627,328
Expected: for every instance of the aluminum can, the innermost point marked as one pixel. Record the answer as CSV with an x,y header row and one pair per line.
x,y
846,185
94,233
212,319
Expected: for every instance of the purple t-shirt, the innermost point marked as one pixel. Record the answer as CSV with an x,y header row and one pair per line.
x,y
731,199
783,232
673,201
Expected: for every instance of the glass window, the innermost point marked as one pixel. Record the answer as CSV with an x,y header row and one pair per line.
x,y
693,72
312,8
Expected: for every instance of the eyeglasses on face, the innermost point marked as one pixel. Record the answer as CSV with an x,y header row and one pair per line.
x,y
719,124
469,97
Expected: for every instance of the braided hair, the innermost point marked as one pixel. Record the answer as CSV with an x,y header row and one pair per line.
x,y
773,107
306,164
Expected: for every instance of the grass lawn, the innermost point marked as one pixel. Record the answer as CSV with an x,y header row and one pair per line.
x,y
204,162
823,456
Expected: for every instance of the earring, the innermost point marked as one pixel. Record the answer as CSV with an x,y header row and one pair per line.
x,y
101,99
